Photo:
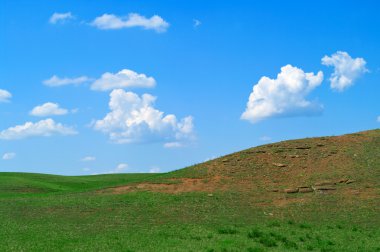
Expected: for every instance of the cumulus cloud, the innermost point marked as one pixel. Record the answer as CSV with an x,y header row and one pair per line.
x,y
45,128
123,79
88,159
113,22
378,119
9,156
56,81
134,119
48,109
5,95
283,96
60,17
346,69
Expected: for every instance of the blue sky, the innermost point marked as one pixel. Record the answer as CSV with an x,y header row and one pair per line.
x,y
315,67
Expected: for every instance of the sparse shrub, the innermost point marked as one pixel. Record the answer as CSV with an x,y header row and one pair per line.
x,y
274,224
305,225
229,250
227,230
324,249
255,233
287,243
273,234
290,244
290,222
318,238
197,238
265,239
309,248
268,241
302,239
255,249
330,243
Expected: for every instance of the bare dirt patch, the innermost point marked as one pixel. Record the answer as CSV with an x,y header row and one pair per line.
x,y
174,186
282,202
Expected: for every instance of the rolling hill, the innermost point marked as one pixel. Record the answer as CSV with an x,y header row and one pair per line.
x,y
314,194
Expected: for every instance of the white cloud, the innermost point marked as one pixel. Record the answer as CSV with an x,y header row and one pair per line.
x,y
210,158
5,95
60,17
134,119
86,169
173,145
48,109
346,69
196,23
154,170
9,156
119,168
378,119
113,22
56,81
123,79
265,138
88,159
45,128
283,96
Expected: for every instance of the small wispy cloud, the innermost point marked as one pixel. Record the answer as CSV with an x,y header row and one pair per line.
x,y
120,168
378,119
60,17
88,159
210,158
265,138
113,22
173,145
196,23
9,156
56,81
5,96
154,169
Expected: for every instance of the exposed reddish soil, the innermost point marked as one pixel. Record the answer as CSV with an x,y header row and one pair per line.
x,y
174,186
282,202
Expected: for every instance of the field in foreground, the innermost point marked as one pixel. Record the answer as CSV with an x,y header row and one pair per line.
x,y
315,194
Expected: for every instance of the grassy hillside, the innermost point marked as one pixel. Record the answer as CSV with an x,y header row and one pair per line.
x,y
316,194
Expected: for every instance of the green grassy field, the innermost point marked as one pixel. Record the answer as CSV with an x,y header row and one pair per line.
x,y
235,203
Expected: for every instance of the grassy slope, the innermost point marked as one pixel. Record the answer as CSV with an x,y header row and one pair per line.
x,y
56,213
